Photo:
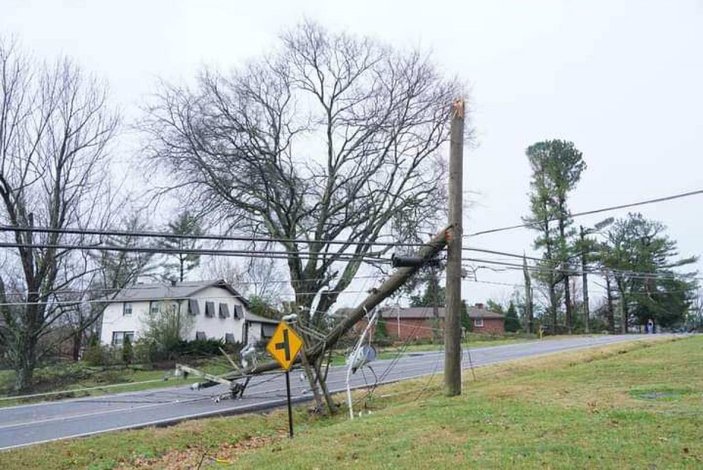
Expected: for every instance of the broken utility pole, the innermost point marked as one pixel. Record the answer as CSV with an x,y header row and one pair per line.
x,y
452,323
425,255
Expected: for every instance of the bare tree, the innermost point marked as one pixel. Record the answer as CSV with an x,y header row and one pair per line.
x,y
54,132
261,278
332,139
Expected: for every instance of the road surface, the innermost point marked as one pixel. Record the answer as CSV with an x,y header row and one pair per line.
x,y
42,422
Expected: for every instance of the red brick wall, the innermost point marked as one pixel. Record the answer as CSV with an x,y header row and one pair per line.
x,y
492,326
418,328
411,328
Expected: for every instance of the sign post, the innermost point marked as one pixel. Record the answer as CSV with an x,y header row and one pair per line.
x,y
284,346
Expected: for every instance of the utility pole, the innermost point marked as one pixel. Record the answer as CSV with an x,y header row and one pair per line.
x,y
585,279
434,282
611,309
528,296
452,324
623,312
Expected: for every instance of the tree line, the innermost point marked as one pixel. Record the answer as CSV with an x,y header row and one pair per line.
x,y
634,257
327,145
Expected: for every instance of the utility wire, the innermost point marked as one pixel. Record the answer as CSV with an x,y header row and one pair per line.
x,y
167,235
590,212
198,251
151,234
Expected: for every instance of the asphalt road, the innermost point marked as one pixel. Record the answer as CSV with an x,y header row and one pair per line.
x,y
31,424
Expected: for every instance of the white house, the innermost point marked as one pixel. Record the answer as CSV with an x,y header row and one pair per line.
x,y
219,312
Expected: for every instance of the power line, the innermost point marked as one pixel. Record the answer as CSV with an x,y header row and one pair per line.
x,y
197,251
575,272
168,286
590,212
151,234
167,235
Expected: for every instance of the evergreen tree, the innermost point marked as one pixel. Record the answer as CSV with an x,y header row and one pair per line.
x,y
184,225
127,351
556,169
512,322
433,295
466,322
642,258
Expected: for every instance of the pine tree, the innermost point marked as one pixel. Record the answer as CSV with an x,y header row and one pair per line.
x,y
556,169
184,225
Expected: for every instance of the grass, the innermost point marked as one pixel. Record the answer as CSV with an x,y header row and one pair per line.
x,y
635,405
473,341
73,377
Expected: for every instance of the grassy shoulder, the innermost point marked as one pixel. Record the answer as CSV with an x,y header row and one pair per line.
x,y
472,341
634,405
72,379
76,380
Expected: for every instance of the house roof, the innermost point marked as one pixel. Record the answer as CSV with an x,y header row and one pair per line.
x,y
427,312
259,319
168,290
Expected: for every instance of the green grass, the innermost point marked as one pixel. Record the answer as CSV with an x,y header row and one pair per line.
x,y
474,341
635,405
72,377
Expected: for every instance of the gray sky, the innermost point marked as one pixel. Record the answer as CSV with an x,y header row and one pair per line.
x,y
623,80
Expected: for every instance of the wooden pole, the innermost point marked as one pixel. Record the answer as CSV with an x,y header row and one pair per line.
x,y
428,252
452,328
586,312
528,296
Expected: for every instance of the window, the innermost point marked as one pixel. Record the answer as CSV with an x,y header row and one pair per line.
x,y
238,311
209,309
193,307
154,307
229,338
478,322
126,308
118,337
200,335
224,311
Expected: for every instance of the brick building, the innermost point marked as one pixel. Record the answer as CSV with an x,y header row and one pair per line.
x,y
416,323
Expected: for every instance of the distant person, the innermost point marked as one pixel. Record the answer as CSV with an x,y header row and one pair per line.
x,y
650,326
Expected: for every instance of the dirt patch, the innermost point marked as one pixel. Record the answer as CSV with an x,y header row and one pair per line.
x,y
199,457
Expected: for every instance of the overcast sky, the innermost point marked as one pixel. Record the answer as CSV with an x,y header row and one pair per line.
x,y
622,80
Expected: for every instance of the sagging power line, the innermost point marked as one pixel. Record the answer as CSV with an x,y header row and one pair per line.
x,y
590,212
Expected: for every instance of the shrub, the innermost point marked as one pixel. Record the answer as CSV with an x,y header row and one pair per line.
x,y
204,347
127,351
145,351
96,354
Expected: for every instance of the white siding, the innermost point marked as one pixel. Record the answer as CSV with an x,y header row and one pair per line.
x,y
115,320
216,327
213,327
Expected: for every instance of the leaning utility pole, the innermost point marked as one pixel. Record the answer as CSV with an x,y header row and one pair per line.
x,y
452,329
586,313
405,271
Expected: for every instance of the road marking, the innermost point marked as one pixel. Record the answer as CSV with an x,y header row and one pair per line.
x,y
96,413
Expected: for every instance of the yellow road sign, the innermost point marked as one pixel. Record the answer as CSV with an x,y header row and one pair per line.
x,y
284,345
